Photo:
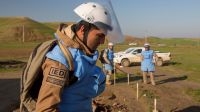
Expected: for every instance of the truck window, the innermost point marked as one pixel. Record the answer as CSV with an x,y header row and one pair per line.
x,y
128,50
138,51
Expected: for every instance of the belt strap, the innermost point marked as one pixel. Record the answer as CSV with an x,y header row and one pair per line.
x,y
68,55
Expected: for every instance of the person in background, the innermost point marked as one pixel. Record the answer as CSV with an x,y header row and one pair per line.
x,y
109,65
148,63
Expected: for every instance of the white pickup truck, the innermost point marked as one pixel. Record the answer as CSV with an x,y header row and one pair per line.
x,y
133,55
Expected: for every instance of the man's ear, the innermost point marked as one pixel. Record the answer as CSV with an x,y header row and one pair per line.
x,y
80,32
82,29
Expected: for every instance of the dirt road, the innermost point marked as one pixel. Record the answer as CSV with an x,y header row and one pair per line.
x,y
170,93
9,91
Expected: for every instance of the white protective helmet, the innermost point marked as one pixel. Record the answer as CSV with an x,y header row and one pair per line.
x,y
96,14
110,44
146,45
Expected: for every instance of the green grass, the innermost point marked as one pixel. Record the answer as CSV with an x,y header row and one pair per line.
x,y
150,96
185,59
11,29
195,93
175,41
17,45
120,75
16,50
3,70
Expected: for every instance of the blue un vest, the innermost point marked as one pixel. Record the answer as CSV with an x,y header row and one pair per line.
x,y
110,56
147,63
78,96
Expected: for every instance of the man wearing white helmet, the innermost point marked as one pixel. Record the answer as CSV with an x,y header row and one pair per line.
x,y
148,63
72,91
108,65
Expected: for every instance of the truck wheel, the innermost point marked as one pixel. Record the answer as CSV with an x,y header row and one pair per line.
x,y
159,62
125,62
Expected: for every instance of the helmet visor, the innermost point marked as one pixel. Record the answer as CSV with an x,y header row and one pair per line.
x,y
115,35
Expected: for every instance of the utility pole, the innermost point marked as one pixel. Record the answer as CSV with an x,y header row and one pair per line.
x,y
146,37
198,42
23,39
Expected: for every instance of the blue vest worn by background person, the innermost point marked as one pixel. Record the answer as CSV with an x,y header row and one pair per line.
x,y
147,64
110,56
91,80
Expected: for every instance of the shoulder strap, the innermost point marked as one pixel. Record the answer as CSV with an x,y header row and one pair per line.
x,y
68,55
106,50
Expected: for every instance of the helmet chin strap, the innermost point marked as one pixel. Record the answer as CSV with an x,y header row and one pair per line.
x,y
85,37
86,30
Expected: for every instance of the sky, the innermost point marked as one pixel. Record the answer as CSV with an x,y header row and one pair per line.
x,y
140,18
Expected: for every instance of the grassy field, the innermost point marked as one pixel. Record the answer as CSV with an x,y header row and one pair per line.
x,y
12,28
18,45
185,59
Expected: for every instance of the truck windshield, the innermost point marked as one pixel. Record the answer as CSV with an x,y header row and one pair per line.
x,y
128,50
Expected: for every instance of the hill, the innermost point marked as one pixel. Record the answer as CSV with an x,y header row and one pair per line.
x,y
156,41
54,25
131,39
12,28
174,41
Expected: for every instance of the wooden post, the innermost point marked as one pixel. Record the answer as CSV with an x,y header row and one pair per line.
x,y
137,91
155,103
23,39
128,78
114,73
